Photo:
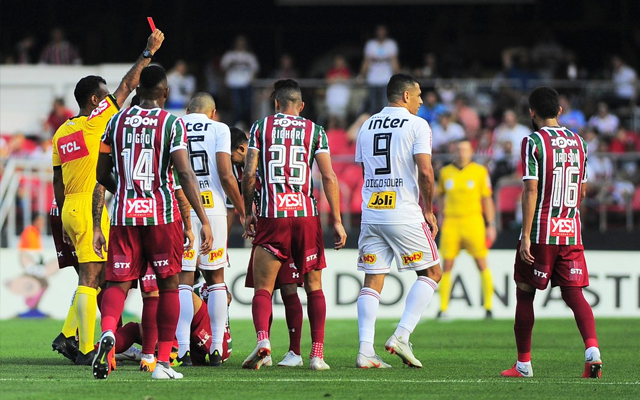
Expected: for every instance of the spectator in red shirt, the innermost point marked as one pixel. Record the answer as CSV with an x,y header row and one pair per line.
x,y
59,115
625,141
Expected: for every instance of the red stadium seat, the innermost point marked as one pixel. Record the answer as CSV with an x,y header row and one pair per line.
x,y
507,200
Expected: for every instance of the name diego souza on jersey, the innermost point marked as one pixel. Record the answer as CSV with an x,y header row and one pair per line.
x,y
388,182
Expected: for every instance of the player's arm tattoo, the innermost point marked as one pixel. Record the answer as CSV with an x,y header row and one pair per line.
x,y
249,179
97,205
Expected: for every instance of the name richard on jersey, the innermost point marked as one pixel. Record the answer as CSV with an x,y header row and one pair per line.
x,y
283,134
380,183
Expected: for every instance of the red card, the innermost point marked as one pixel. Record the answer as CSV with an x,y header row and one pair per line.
x,y
151,24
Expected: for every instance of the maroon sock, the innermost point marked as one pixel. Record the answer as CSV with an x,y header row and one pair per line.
x,y
293,313
261,308
149,324
582,313
524,324
112,306
167,318
317,312
127,336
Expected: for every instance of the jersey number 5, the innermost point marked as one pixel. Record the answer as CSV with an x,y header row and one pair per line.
x,y
382,147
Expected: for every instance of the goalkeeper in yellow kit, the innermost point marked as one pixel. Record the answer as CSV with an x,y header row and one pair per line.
x,y
464,189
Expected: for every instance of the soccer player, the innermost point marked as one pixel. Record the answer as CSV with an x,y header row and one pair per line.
x,y
145,144
209,144
283,148
394,147
550,247
465,188
75,154
289,277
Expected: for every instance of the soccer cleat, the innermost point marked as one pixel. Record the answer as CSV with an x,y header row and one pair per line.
x,y
215,359
592,370
488,314
184,361
318,364
518,372
291,359
365,362
254,360
148,366
85,359
443,316
102,362
402,350
131,354
67,346
162,372
266,362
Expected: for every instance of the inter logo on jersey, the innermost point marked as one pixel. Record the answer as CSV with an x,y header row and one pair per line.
x,y
72,147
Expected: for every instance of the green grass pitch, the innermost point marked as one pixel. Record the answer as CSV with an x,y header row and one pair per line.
x,y
462,359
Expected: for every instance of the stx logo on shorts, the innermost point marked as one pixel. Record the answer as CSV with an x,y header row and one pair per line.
x,y
121,265
135,208
563,227
415,257
540,274
562,142
290,201
382,201
369,258
312,257
149,277
72,147
216,254
161,263
189,254
104,105
575,271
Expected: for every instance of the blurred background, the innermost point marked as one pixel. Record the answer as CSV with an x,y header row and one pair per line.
x,y
476,61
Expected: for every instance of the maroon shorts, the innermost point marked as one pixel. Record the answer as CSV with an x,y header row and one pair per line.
x,y
296,238
66,253
287,274
148,282
562,265
132,249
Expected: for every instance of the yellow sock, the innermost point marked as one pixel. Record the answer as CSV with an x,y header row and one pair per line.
x,y
71,322
86,310
487,288
444,286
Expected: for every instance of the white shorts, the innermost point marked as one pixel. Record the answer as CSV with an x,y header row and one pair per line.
x,y
410,244
217,258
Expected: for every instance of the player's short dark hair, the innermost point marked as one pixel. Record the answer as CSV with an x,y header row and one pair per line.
x,y
286,91
398,84
152,76
87,87
238,137
545,102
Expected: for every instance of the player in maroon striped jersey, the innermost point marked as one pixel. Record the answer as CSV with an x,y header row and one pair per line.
x,y
283,148
145,144
550,248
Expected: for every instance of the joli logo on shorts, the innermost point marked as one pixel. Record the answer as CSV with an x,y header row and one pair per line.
x,y
290,201
382,201
563,227
216,254
139,208
408,259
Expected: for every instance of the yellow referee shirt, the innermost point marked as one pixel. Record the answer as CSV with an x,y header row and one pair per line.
x,y
76,146
463,189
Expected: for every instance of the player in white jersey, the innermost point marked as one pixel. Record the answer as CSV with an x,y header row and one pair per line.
x,y
394,147
210,153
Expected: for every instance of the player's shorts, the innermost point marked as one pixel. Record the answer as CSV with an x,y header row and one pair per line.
x,y
467,233
562,265
217,258
133,248
66,253
287,274
78,222
411,245
296,238
148,282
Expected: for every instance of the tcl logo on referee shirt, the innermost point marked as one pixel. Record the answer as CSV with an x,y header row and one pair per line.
x,y
72,147
139,208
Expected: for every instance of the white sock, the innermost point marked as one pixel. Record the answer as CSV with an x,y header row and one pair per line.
x,y
592,354
523,365
417,301
368,302
148,357
218,314
183,330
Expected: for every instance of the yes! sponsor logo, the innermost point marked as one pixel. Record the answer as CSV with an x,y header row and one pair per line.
x,y
139,208
290,201
216,254
415,257
563,227
369,258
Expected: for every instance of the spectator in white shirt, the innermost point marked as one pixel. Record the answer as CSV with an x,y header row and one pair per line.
x,y
181,85
509,131
241,67
445,132
380,63
605,122
624,81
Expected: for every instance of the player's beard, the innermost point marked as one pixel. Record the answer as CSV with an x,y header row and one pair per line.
x,y
535,126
